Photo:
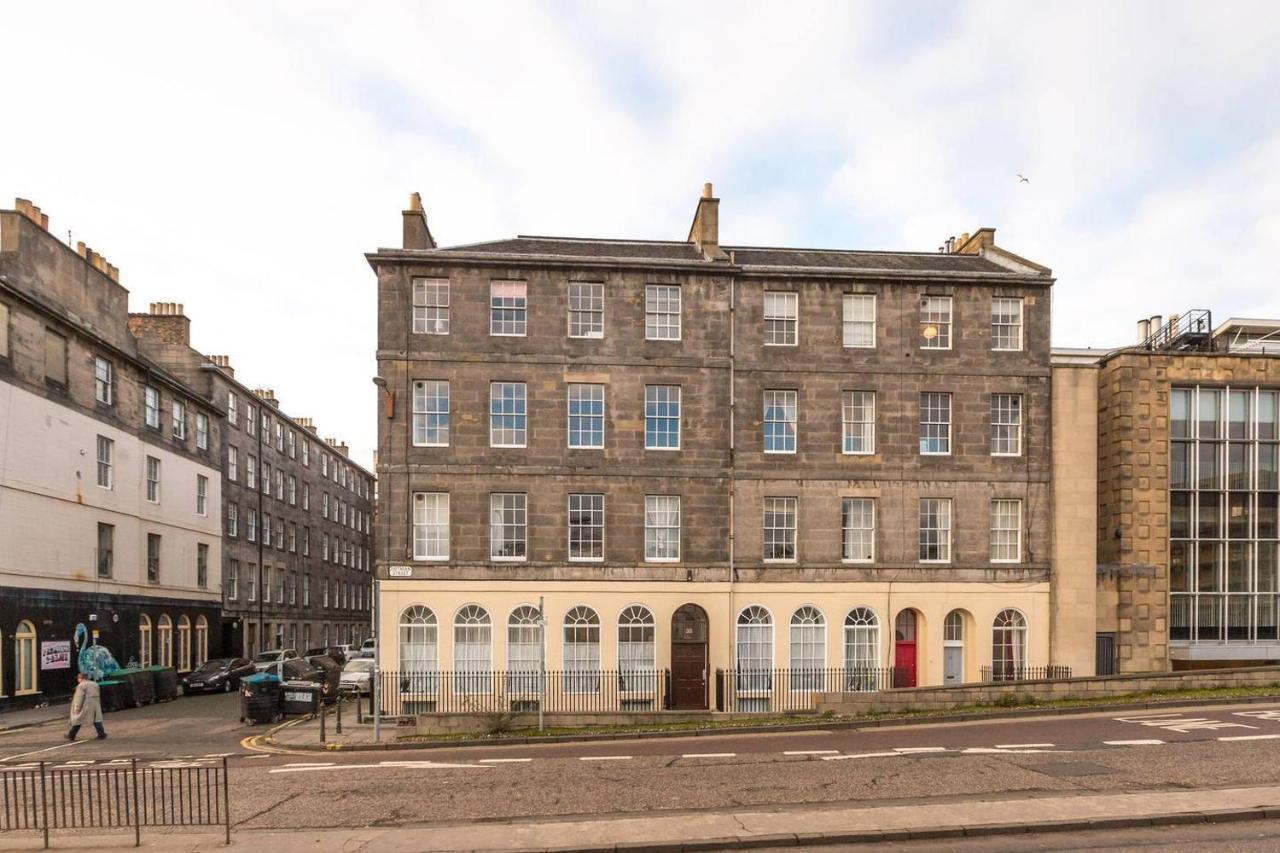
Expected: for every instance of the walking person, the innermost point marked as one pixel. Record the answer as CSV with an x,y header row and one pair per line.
x,y
86,707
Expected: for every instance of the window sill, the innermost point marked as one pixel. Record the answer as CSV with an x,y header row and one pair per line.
x,y
857,453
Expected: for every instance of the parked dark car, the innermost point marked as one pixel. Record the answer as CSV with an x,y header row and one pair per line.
x,y
222,674
334,652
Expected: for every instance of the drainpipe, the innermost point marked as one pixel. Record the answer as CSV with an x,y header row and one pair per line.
x,y
733,570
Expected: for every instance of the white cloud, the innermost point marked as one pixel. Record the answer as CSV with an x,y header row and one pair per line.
x,y
241,159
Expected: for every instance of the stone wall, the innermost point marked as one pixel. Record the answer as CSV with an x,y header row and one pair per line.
x,y
926,698
470,724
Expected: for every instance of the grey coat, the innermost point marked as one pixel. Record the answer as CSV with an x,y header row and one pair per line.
x,y
86,704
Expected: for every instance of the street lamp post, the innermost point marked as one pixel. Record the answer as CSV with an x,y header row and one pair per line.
x,y
542,681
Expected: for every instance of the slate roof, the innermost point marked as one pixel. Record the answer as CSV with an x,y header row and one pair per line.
x,y
746,256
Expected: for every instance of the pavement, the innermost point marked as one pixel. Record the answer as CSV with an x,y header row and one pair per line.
x,y
854,824
11,720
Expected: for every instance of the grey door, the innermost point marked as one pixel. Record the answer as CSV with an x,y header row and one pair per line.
x,y
952,664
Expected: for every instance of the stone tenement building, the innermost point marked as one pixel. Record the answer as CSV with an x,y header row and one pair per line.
x,y
109,479
1187,540
297,513
704,457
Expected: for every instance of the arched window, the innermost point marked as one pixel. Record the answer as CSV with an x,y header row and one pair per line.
x,y
144,640
472,657
953,627
164,638
1008,646
184,643
637,664
808,648
755,652
524,650
418,647
202,640
861,650
24,659
581,651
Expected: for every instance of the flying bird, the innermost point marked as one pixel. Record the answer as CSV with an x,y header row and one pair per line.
x,y
1023,180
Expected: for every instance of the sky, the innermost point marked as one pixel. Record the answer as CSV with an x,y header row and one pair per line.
x,y
242,158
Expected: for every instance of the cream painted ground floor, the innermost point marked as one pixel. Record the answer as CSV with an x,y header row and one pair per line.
x,y
919,634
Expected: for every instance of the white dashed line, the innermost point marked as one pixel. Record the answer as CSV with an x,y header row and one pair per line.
x,y
311,764
1024,746
1252,737
1133,742
220,755
709,755
813,752
604,758
985,750
912,750
46,749
505,760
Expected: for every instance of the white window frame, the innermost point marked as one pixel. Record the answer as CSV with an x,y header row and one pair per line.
x,y
580,650
106,455
941,508
179,414
103,381
651,394
513,309
1006,424
151,407
523,399
781,318
427,414
850,324
585,394
938,312
929,414
430,309
202,495
807,649
850,404
1006,303
788,402
1006,529
202,431
784,507
520,510
593,506
847,507
152,482
233,406
665,509
590,294
657,312
430,523
233,520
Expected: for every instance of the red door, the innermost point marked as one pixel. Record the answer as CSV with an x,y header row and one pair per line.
x,y
904,649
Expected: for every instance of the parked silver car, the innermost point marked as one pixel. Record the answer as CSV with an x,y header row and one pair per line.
x,y
269,659
356,675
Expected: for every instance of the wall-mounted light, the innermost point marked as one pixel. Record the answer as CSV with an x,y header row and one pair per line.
x,y
389,401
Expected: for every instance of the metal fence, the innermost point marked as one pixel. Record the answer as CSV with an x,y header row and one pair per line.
x,y
747,691
507,691
44,797
1024,673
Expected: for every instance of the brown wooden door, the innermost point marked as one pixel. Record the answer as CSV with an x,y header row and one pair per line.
x,y
688,676
689,659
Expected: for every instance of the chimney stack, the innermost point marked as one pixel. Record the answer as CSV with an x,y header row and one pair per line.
x,y
416,233
267,395
29,210
223,362
307,424
165,322
705,231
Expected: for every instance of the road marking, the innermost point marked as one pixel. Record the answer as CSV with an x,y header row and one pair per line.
x,y
219,755
1024,746
986,750
709,755
385,765
813,752
311,764
1176,722
604,758
505,760
46,749
1258,715
1133,742
913,750
1252,737
257,756
863,755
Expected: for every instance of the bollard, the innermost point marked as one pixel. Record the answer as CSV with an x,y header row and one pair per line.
x,y
322,723
338,727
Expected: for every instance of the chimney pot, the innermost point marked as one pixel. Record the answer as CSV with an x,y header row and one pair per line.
x,y
1144,330
706,190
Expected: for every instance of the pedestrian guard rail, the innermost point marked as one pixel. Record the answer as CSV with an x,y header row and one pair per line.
x,y
121,795
1024,673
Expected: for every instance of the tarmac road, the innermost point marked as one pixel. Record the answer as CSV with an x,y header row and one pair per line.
x,y
1227,745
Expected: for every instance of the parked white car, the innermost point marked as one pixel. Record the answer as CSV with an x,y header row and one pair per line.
x,y
264,661
356,675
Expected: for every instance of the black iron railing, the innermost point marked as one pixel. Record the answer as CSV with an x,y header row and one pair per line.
x,y
43,797
1024,673
507,691
787,690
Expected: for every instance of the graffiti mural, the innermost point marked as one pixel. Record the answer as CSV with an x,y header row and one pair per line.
x,y
94,660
